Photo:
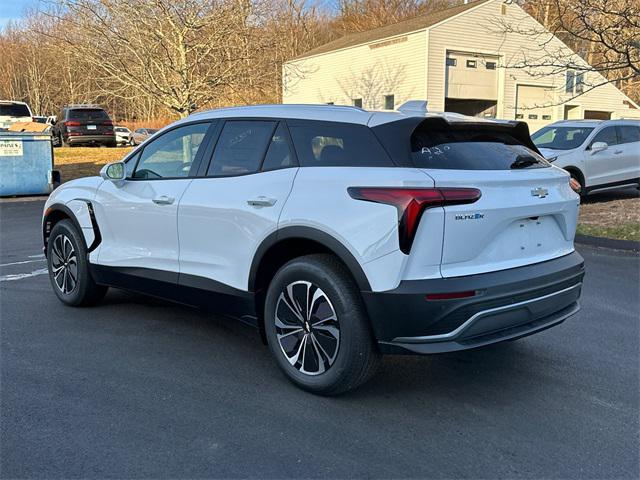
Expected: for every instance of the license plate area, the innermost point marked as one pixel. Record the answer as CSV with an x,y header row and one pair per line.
x,y
91,127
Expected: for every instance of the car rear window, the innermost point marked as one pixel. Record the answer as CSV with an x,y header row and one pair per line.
x,y
471,149
14,110
88,114
332,144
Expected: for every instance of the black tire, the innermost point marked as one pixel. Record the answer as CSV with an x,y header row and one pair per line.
x,y
66,258
325,371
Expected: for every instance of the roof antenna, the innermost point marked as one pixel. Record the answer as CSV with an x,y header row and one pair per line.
x,y
413,106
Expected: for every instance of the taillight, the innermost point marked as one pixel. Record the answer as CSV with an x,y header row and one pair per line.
x,y
412,202
108,123
71,124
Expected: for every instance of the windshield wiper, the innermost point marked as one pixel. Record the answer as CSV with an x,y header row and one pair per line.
x,y
523,161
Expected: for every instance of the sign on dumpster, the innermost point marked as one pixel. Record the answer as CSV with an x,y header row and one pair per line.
x,y
11,148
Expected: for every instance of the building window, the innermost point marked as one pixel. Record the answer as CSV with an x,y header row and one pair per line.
x,y
570,81
580,83
329,103
546,117
472,63
491,65
357,102
451,62
389,102
533,116
519,116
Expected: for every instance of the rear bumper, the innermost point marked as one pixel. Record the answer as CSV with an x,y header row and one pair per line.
x,y
508,304
84,139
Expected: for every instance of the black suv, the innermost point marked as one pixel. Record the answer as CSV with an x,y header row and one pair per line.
x,y
83,125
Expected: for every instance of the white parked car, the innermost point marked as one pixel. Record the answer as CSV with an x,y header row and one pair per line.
x,y
598,154
124,136
340,233
12,112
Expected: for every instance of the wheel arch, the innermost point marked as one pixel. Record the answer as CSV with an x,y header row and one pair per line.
x,y
58,212
287,244
578,172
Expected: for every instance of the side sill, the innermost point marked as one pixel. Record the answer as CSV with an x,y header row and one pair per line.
x,y
184,289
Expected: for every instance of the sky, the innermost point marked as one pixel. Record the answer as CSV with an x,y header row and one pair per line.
x,y
13,9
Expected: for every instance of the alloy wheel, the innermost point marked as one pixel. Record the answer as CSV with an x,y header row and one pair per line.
x,y
64,264
307,327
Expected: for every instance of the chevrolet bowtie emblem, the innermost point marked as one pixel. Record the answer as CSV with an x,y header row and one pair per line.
x,y
539,192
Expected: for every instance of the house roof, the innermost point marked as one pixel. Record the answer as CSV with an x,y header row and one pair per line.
x,y
420,22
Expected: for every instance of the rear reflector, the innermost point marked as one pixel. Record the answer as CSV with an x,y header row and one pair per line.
x,y
412,202
450,295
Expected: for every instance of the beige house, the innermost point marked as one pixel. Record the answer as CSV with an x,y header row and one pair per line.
x,y
463,59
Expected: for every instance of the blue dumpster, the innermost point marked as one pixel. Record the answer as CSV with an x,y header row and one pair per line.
x,y
26,164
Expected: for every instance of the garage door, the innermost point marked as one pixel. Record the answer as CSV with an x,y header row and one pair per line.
x,y
534,105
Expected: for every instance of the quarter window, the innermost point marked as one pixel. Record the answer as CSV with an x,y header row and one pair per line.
x,y
329,144
171,155
241,147
279,154
607,135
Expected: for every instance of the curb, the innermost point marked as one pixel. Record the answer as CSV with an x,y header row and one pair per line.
x,y
627,245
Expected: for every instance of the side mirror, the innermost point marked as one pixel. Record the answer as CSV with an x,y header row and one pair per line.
x,y
598,147
115,172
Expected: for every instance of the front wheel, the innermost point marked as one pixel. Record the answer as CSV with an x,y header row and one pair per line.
x,y
68,267
317,328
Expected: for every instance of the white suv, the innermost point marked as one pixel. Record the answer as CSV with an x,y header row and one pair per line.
x,y
598,154
340,233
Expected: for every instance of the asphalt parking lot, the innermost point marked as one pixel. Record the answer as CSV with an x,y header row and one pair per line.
x,y
141,388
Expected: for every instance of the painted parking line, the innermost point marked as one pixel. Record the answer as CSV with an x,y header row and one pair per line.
x,y
22,262
20,276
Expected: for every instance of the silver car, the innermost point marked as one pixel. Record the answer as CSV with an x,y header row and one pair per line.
x,y
599,154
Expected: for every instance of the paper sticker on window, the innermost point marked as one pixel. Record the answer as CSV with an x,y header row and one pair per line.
x,y
10,148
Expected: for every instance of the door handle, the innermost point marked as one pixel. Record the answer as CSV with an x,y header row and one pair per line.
x,y
262,202
163,200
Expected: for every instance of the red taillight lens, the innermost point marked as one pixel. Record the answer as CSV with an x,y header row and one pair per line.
x,y
108,123
412,202
71,124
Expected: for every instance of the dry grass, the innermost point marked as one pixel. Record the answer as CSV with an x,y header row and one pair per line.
x,y
76,162
613,214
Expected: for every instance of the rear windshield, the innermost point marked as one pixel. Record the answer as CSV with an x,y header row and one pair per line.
x,y
333,144
469,149
88,114
561,138
14,110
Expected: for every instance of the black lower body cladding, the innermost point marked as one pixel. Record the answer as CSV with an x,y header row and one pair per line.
x,y
507,304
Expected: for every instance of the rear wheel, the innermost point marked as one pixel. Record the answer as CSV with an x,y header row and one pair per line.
x,y
317,327
68,267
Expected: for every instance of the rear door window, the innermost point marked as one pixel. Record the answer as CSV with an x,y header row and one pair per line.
x,y
241,147
279,154
329,144
469,149
628,134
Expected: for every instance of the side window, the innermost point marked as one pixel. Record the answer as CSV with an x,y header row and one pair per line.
x,y
628,134
607,135
171,155
241,147
131,165
329,144
279,154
